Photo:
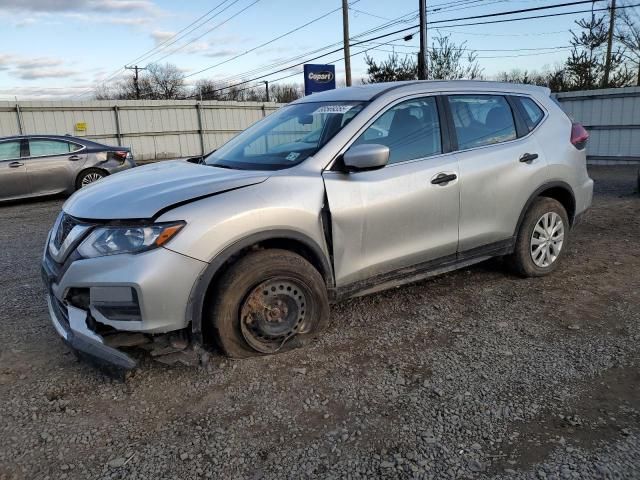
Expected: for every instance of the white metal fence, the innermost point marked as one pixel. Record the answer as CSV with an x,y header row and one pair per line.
x,y
155,130
162,129
612,117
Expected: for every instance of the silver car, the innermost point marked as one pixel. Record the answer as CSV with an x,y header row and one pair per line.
x,y
247,250
36,165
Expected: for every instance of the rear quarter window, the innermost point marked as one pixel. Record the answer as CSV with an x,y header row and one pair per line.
x,y
532,113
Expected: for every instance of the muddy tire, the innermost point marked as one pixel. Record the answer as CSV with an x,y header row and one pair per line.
x,y
542,239
89,176
269,301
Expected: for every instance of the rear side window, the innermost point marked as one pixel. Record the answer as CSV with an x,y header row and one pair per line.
x,y
410,129
532,112
481,120
9,150
43,147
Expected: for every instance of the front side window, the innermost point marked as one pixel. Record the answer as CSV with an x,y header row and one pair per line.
x,y
481,120
285,138
10,150
410,129
43,147
532,112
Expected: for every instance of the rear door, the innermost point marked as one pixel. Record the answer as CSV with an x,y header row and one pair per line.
x,y
14,182
53,164
395,217
500,162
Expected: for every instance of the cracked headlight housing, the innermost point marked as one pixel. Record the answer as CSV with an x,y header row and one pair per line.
x,y
113,240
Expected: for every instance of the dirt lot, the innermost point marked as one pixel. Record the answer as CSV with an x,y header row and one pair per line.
x,y
475,374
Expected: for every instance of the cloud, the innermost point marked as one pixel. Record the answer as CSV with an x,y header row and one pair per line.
x,y
225,52
39,73
161,36
35,68
77,5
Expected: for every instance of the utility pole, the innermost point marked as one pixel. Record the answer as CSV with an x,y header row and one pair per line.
x,y
266,84
607,65
422,61
135,79
345,35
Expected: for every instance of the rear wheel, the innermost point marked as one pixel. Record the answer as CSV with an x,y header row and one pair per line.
x,y
542,238
269,301
89,176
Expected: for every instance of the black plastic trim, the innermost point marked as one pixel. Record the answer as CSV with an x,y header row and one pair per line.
x,y
423,270
518,116
449,125
444,115
536,194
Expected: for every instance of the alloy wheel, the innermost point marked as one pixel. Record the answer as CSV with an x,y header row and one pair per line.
x,y
547,239
90,178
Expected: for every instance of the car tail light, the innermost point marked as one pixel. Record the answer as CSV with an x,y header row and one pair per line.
x,y
579,136
121,155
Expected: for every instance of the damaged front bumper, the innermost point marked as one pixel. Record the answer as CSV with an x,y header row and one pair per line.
x,y
71,324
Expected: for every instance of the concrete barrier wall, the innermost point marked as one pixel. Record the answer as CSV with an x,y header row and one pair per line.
x,y
155,130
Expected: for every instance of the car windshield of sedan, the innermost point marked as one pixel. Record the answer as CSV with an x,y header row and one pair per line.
x,y
286,137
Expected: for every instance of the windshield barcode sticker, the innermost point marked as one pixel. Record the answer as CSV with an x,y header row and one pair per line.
x,y
333,109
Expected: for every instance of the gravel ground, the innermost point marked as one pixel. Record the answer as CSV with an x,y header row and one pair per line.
x,y
474,374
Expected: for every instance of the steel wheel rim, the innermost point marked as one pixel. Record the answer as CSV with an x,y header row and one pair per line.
x,y
90,178
547,239
273,312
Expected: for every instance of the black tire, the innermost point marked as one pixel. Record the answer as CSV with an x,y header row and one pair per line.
x,y
88,173
521,260
243,304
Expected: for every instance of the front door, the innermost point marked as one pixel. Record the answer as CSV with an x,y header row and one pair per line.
x,y
14,182
402,214
52,165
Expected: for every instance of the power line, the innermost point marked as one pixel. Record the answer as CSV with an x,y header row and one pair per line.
x,y
166,43
163,44
272,40
208,31
416,26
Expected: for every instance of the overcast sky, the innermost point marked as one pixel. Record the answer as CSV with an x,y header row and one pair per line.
x,y
63,47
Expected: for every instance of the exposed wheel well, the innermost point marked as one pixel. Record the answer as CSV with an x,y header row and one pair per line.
x,y
564,196
283,243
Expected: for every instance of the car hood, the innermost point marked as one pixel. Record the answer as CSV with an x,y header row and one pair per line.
x,y
144,192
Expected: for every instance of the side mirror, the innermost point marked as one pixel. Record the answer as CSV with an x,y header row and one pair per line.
x,y
368,156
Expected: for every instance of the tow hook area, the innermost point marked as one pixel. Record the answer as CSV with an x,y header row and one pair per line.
x,y
169,348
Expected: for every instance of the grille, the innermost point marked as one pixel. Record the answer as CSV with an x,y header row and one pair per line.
x,y
66,225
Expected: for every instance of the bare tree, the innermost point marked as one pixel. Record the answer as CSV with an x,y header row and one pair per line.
x,y
156,82
586,63
628,34
166,81
447,61
554,78
206,89
285,92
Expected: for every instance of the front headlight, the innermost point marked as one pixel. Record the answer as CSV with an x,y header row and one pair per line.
x,y
112,240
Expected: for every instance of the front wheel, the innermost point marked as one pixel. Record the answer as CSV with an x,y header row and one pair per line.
x,y
269,301
542,238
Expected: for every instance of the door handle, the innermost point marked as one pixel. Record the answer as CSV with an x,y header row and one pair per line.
x,y
15,164
443,178
528,157
74,157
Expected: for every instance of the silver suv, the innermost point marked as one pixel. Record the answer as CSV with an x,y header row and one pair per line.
x,y
338,194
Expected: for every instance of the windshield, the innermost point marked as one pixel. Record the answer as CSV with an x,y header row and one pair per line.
x,y
286,137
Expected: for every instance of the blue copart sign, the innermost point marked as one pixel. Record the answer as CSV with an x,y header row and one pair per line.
x,y
318,78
